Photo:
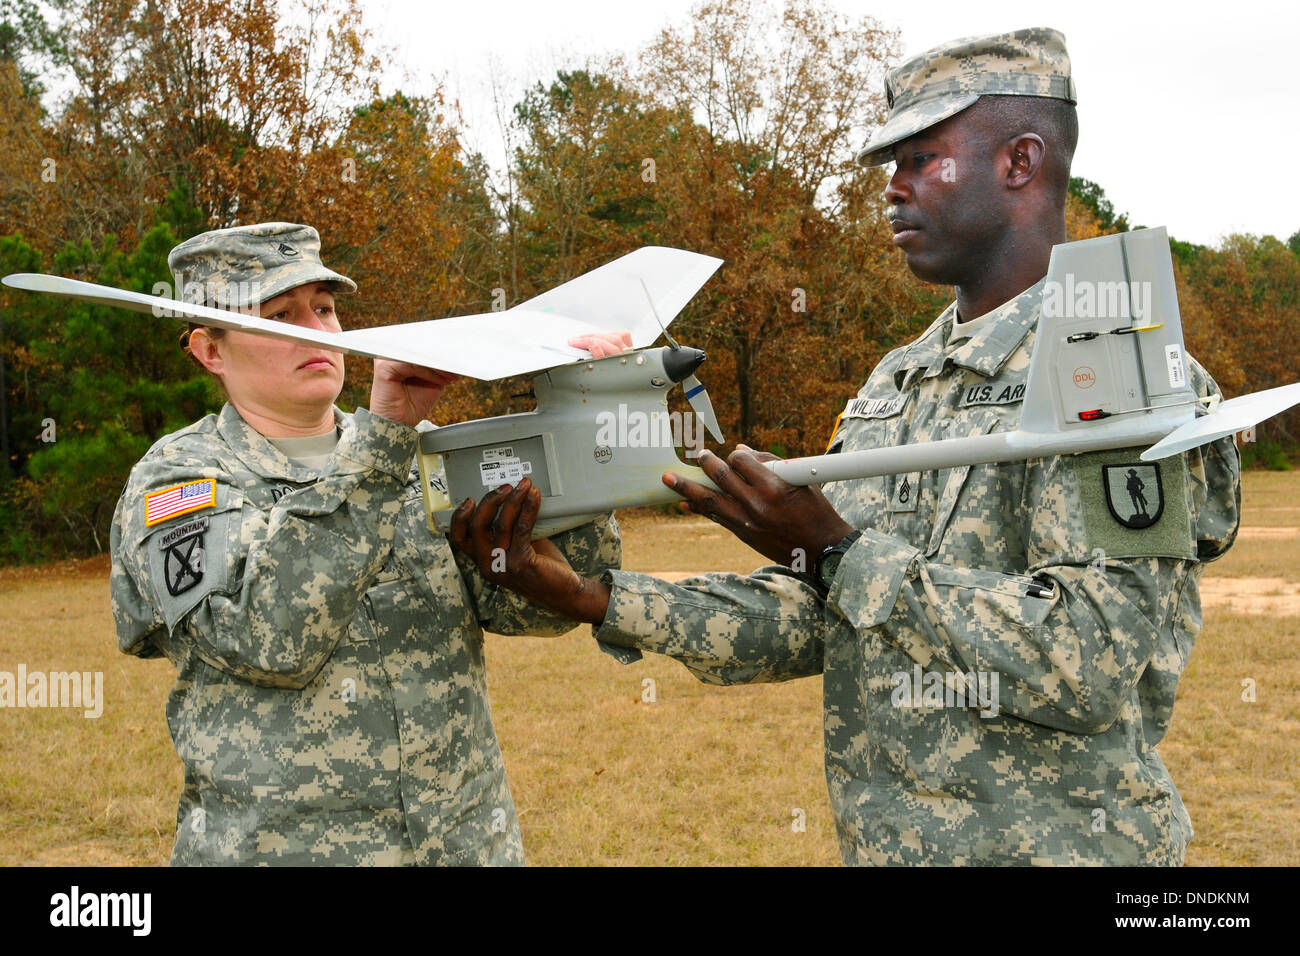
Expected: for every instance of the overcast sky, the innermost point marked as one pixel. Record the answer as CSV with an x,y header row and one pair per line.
x,y
1189,121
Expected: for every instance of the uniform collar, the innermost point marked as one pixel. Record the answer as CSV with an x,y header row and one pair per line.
x,y
259,455
984,352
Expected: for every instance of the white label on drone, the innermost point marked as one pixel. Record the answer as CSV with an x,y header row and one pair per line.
x,y
1175,359
503,471
498,454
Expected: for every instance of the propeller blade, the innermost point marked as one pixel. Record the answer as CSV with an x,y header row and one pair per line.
x,y
699,399
1230,417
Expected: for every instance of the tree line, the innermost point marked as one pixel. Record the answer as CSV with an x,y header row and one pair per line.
x,y
732,134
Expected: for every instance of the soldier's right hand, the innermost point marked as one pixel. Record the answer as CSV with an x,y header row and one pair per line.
x,y
406,393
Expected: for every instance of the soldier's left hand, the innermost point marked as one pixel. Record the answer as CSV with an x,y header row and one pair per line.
x,y
781,521
497,533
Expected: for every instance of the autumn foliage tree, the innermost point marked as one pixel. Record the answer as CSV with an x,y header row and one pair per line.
x,y
734,139
764,179
189,115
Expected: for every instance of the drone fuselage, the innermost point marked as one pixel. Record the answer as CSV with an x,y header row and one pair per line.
x,y
600,438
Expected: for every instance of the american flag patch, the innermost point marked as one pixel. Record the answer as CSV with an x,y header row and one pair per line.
x,y
180,500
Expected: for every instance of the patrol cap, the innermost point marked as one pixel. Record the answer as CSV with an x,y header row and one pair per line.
x,y
245,265
942,82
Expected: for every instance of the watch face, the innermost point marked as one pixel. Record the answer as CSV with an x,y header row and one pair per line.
x,y
830,564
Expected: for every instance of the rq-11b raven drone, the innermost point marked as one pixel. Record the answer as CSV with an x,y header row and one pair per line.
x,y
1108,370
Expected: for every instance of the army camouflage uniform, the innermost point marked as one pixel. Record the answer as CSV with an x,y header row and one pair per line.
x,y
330,703
1016,572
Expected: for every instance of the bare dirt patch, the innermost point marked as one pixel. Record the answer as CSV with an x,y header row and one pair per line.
x,y
1257,531
1251,595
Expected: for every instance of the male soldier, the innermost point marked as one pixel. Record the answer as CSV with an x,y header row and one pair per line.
x,y
1000,648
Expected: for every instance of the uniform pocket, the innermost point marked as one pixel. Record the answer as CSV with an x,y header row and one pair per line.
x,y
981,422
447,589
994,596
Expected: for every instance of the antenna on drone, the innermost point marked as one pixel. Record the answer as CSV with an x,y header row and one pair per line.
x,y
695,391
672,342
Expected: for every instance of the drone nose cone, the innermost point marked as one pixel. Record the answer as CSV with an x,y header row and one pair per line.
x,y
681,362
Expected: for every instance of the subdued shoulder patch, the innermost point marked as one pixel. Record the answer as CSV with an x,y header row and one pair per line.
x,y
183,556
1134,508
1134,493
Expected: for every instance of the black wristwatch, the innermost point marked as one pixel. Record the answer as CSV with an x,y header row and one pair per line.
x,y
828,562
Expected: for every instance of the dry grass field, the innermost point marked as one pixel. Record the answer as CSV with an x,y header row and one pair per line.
x,y
701,775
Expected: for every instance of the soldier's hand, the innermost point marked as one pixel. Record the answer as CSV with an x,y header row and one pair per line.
x,y
498,535
603,344
781,521
402,392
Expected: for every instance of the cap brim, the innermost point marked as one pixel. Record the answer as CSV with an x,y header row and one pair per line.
x,y
908,122
288,277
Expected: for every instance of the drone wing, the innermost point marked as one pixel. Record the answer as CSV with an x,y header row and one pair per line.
x,y
1230,417
611,297
170,308
529,337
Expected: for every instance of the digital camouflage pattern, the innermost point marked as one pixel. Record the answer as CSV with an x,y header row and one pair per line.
x,y
1016,573
330,705
944,81
239,267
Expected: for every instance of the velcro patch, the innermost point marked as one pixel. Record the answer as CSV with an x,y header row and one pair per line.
x,y
172,535
179,500
905,492
184,564
874,407
1134,508
993,393
187,559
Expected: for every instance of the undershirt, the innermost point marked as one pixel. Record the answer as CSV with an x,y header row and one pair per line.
x,y
312,452
964,330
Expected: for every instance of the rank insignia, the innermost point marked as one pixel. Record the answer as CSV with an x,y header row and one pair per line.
x,y
906,491
1134,493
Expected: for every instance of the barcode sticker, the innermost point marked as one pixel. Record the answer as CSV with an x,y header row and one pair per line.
x,y
502,471
1174,356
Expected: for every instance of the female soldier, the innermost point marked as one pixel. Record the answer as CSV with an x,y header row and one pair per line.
x,y
330,704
